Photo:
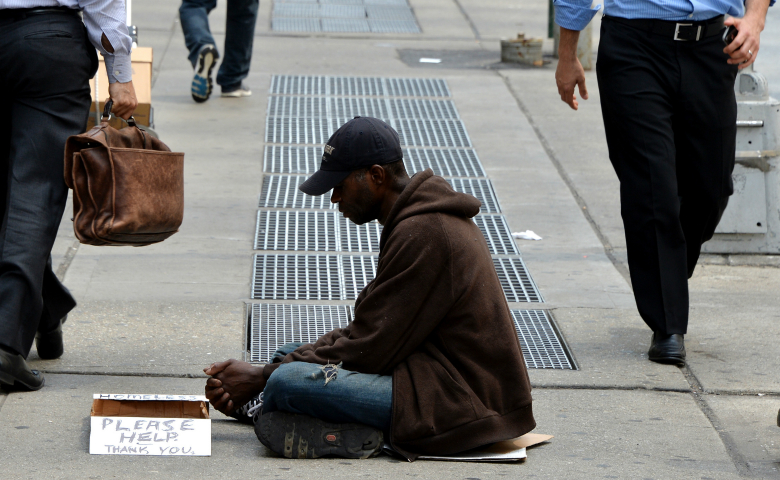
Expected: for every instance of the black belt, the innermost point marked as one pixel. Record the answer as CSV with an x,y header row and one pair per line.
x,y
682,31
22,13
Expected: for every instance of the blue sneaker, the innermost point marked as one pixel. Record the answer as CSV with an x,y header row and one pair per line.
x,y
201,82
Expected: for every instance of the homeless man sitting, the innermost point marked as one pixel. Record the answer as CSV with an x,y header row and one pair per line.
x,y
431,362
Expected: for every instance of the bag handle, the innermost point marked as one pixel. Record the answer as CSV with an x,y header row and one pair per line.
x,y
107,113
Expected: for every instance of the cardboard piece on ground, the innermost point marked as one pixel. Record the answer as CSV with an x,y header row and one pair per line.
x,y
133,424
141,58
507,451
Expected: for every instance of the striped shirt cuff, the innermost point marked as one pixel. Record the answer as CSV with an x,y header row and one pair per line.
x,y
574,16
119,68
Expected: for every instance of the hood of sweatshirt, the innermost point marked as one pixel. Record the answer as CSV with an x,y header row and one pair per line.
x,y
428,193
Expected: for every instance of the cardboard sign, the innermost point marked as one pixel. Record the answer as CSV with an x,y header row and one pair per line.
x,y
133,424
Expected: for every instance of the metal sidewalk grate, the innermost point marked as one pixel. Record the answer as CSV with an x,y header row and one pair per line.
x,y
517,284
413,132
307,130
296,231
296,277
431,133
358,86
497,234
297,106
328,231
449,162
307,231
481,188
300,24
392,26
281,191
351,25
287,159
359,238
385,108
272,325
390,13
332,11
542,344
358,271
444,162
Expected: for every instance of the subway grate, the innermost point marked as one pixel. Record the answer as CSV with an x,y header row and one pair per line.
x,y
449,162
296,231
543,345
444,162
312,231
412,132
358,270
272,325
431,133
497,234
390,13
392,26
328,231
300,24
515,280
358,86
481,188
359,238
281,191
331,11
296,277
346,25
297,130
289,159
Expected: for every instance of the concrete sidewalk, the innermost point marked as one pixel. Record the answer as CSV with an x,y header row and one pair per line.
x,y
149,319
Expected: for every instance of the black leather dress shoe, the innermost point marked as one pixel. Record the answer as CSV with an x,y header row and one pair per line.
x,y
669,349
15,373
49,344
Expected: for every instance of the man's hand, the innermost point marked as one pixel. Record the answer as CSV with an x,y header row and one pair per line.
x,y
570,73
232,384
744,48
123,95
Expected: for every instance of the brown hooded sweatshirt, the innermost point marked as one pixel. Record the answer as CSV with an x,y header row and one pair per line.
x,y
436,319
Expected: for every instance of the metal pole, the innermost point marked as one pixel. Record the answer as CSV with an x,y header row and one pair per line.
x,y
551,21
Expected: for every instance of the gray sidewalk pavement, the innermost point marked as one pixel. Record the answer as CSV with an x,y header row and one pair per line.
x,y
149,319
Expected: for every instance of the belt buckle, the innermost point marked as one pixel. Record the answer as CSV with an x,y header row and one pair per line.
x,y
677,32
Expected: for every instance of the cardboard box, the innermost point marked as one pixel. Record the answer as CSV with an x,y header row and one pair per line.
x,y
133,424
141,58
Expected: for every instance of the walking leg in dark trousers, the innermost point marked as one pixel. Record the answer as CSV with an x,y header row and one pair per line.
x,y
45,66
670,118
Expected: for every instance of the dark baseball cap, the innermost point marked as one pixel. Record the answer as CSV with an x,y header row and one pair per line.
x,y
359,143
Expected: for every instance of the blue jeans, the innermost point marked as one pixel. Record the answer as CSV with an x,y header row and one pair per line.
x,y
239,34
349,397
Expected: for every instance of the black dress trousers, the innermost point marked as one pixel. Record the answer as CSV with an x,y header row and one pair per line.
x,y
670,116
46,62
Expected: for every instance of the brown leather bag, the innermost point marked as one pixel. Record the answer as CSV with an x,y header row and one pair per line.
x,y
128,187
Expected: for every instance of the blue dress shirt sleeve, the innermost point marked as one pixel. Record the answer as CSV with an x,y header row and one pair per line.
x,y
574,14
108,17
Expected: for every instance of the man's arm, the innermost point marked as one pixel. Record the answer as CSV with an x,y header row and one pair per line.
x,y
570,73
572,16
744,48
105,22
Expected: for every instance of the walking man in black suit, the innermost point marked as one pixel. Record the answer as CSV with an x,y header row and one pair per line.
x,y
666,82
46,61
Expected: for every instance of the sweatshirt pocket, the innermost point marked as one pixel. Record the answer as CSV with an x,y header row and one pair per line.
x,y
451,405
